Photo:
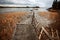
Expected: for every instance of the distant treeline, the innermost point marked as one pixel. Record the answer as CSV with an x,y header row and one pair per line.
x,y
56,5
19,7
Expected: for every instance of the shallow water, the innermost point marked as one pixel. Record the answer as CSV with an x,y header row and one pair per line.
x,y
3,10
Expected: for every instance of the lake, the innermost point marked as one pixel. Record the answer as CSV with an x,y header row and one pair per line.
x,y
4,10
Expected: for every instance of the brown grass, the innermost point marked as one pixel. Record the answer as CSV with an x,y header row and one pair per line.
x,y
55,16
49,15
7,24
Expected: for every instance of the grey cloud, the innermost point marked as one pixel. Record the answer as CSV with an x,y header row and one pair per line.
x,y
27,2
5,2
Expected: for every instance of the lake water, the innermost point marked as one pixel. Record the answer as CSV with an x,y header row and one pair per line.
x,y
4,10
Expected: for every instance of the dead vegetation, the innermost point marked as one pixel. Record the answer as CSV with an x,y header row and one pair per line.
x,y
8,24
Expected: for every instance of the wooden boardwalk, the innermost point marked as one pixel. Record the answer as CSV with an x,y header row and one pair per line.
x,y
33,28
24,32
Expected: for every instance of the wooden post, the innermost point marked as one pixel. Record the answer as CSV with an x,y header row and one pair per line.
x,y
52,33
40,34
57,34
47,33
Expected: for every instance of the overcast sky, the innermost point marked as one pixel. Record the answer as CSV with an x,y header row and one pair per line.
x,y
42,3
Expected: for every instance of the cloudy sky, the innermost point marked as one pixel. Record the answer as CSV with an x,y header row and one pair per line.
x,y
42,3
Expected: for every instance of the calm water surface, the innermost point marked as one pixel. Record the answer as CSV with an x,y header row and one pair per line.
x,y
4,10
